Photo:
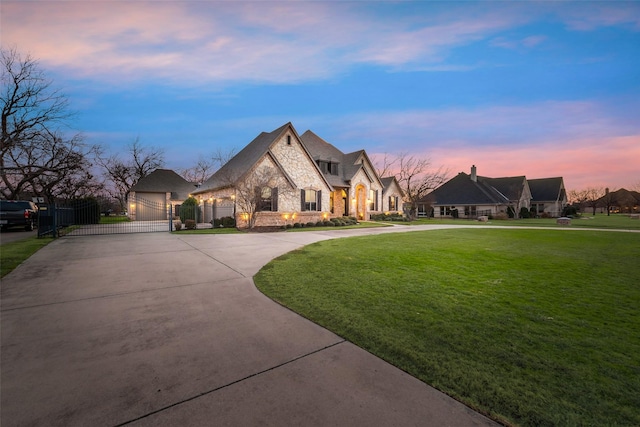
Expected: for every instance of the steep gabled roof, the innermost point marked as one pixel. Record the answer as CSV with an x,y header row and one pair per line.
x,y
165,181
509,187
546,189
348,164
388,181
242,163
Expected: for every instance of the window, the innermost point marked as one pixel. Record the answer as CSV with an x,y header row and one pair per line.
x,y
310,200
470,211
393,203
288,139
373,200
445,210
267,199
327,167
333,168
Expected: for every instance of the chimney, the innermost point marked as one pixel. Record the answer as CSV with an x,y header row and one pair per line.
x,y
474,177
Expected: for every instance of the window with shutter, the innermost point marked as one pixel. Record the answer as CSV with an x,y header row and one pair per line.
x,y
309,200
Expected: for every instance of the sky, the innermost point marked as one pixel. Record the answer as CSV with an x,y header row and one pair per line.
x,y
540,89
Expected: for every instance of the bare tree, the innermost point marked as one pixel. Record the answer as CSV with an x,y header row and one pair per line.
x,y
37,156
124,173
259,191
206,166
587,197
415,175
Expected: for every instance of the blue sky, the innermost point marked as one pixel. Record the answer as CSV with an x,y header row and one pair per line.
x,y
517,88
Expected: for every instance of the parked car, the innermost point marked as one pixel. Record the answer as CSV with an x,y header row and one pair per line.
x,y
18,213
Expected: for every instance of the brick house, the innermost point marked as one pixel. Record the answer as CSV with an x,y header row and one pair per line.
x,y
282,177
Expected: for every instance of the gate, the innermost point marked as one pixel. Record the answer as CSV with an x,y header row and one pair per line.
x,y
86,217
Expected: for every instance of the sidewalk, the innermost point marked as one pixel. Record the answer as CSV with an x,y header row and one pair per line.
x,y
163,329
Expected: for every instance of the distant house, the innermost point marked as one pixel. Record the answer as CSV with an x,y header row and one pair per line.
x,y
282,177
548,196
620,201
153,196
471,196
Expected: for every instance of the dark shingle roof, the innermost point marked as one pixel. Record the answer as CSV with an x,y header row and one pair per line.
x,y
164,181
242,162
509,187
546,189
461,190
322,150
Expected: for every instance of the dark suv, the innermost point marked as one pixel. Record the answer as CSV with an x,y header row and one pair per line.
x,y
18,213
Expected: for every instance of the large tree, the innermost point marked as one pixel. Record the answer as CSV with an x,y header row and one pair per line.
x,y
39,155
206,166
415,174
124,171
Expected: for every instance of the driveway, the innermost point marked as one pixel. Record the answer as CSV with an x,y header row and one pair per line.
x,y
163,329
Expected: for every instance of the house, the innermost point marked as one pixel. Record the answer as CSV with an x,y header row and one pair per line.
x,y
282,177
619,201
471,196
548,196
155,195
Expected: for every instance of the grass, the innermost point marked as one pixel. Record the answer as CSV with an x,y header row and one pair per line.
x,y
531,327
618,221
114,219
13,254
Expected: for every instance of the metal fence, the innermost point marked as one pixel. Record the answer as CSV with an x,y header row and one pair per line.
x,y
86,217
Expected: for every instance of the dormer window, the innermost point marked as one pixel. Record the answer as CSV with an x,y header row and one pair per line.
x,y
328,167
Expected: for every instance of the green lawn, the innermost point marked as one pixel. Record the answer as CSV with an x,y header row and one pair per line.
x,y
531,327
114,219
13,254
617,221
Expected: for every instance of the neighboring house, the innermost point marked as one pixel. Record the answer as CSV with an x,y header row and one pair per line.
x,y
152,196
470,196
548,196
619,201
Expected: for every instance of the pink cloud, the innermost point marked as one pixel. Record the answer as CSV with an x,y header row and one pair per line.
x,y
220,41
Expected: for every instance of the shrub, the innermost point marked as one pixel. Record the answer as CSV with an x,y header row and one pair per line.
x,y
289,226
297,225
327,223
569,211
524,213
190,224
319,224
190,210
177,224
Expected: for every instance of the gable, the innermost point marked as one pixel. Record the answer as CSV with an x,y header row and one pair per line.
x,y
547,189
286,150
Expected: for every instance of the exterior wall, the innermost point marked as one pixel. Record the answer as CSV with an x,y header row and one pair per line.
x,y
359,207
302,170
392,191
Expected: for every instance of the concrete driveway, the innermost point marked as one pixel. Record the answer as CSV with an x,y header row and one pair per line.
x,y
162,329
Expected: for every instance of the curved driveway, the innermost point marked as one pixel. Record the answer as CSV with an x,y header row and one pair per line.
x,y
168,329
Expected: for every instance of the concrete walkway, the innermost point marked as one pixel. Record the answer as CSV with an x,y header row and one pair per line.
x,y
160,329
